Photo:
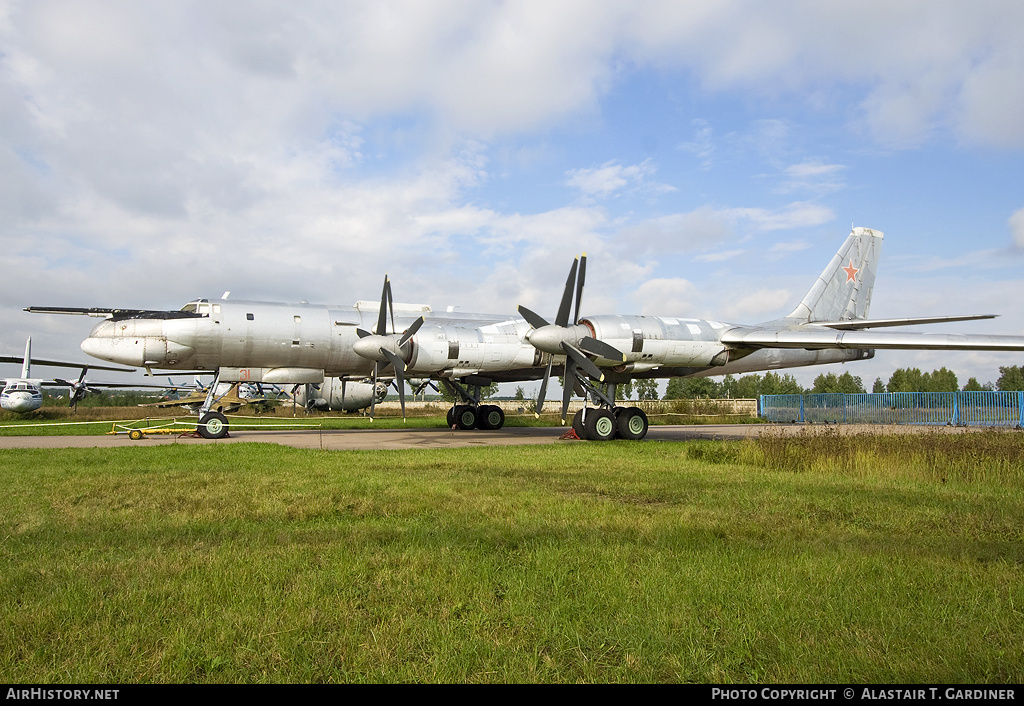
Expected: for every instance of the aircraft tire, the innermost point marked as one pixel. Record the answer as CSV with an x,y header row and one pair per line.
x,y
213,425
490,416
632,423
465,417
577,424
451,416
600,425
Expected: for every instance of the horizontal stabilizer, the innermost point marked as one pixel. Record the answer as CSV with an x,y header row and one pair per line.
x,y
856,324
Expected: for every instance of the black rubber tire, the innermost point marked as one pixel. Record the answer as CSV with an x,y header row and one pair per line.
x,y
213,425
490,416
600,425
632,424
465,417
577,424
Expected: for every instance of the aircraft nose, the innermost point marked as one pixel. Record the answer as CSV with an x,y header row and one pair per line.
x,y
20,402
109,350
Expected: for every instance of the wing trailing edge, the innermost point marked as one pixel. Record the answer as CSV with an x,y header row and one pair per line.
x,y
817,338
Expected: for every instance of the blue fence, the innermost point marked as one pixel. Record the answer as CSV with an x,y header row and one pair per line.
x,y
956,408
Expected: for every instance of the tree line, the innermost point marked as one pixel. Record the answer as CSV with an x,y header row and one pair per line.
x,y
1011,378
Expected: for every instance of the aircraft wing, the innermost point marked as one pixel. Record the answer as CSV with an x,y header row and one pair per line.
x,y
122,385
115,314
814,337
59,364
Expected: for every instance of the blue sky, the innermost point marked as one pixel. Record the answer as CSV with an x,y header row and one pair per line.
x,y
708,156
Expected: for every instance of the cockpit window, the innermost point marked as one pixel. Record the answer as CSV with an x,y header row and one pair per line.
x,y
198,306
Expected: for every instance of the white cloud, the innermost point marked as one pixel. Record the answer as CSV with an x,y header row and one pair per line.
x,y
667,297
613,178
702,145
813,176
1017,227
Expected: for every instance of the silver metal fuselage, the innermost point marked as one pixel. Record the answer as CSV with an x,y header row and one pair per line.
x,y
306,343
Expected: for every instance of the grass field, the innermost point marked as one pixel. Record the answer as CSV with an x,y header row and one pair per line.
x,y
815,559
61,421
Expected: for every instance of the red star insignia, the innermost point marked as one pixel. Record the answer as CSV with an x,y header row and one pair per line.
x,y
851,272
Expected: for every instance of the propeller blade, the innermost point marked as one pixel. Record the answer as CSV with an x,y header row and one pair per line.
x,y
399,365
410,332
362,334
602,349
563,310
533,319
567,387
391,303
584,362
382,315
579,286
543,388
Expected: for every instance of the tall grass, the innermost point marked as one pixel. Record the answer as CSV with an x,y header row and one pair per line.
x,y
990,456
616,562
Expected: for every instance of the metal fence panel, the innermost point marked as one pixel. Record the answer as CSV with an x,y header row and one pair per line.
x,y
957,408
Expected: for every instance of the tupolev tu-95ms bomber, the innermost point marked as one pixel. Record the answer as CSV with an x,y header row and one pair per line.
x,y
335,347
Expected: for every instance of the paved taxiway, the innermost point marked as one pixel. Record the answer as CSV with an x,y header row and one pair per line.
x,y
350,439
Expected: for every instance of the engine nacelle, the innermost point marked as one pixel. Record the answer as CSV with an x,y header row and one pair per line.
x,y
657,341
331,397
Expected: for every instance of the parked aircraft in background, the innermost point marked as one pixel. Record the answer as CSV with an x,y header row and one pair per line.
x,y
340,395
24,394
243,341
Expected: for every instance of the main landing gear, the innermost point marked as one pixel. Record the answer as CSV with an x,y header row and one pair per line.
x,y
602,424
485,416
471,414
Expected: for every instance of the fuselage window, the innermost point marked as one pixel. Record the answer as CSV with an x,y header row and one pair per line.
x,y
250,317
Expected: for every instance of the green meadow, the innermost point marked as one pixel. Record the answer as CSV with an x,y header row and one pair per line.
x,y
827,558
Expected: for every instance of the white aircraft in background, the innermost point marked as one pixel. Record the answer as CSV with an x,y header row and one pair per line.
x,y
244,341
24,394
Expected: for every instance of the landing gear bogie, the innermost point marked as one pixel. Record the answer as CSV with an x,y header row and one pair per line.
x,y
598,424
486,417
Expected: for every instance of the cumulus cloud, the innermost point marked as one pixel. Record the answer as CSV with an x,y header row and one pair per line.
x,y
812,176
1017,227
612,178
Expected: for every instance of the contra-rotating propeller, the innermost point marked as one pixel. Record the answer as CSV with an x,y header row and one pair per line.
x,y
574,341
77,389
385,348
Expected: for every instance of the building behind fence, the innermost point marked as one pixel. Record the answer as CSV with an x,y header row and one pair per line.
x,y
955,408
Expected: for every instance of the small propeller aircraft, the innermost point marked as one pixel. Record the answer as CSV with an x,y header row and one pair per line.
x,y
24,394
304,344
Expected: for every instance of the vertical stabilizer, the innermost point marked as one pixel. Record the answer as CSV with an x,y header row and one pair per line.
x,y
843,289
26,364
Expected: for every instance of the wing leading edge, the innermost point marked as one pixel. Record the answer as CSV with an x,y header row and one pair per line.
x,y
814,337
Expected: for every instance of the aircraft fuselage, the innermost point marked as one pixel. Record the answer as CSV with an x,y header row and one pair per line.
x,y
306,343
